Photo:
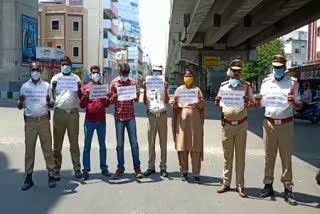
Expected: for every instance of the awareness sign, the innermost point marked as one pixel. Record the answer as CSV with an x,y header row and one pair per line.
x,y
98,92
127,93
232,99
155,82
188,96
36,97
67,83
275,98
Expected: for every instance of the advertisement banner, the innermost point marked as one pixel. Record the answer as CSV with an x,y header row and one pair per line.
x,y
129,11
29,39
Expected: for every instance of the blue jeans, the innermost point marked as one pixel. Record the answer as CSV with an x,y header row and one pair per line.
x,y
89,128
132,133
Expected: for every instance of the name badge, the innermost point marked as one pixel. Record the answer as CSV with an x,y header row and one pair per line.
x,y
277,122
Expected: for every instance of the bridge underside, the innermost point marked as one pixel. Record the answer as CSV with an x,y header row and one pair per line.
x,y
229,29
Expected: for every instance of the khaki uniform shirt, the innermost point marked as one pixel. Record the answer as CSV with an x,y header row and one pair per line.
x,y
235,114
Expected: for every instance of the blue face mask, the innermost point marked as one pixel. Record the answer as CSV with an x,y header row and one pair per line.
x,y
278,72
234,82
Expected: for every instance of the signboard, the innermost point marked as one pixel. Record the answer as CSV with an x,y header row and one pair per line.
x,y
29,39
46,53
188,96
232,99
212,61
307,75
155,82
127,93
98,92
67,83
78,70
129,11
275,98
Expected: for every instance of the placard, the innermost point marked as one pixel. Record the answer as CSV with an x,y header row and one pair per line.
x,y
127,93
67,83
98,92
275,98
155,82
232,99
188,96
36,97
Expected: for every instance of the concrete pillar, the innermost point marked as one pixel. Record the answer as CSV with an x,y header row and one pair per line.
x,y
12,73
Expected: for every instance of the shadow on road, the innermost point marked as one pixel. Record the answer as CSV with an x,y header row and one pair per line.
x,y
39,199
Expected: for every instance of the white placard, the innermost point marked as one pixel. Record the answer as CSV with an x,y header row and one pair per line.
x,y
127,93
275,98
155,82
232,99
98,92
67,83
36,97
188,96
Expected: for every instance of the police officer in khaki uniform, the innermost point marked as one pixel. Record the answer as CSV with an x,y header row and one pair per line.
x,y
234,128
278,126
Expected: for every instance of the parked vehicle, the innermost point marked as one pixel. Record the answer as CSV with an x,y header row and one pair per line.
x,y
309,112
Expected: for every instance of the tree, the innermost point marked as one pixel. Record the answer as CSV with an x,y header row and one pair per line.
x,y
253,69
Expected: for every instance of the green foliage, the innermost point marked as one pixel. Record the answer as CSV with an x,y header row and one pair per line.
x,y
253,69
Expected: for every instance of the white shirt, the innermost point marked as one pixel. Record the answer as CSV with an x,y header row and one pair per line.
x,y
270,83
156,101
66,100
35,98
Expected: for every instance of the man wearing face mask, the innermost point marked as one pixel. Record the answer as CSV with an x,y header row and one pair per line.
x,y
95,120
156,101
36,99
125,118
234,128
66,118
278,128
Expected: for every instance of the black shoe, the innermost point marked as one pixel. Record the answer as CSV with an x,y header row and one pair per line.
x,y
289,197
78,174
266,191
164,173
28,183
184,177
57,176
196,179
106,173
149,172
118,174
52,182
318,177
85,176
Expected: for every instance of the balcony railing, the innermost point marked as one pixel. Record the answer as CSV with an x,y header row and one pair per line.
x,y
110,10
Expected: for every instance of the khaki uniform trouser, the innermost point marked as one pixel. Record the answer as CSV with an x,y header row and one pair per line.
x,y
63,121
234,140
195,162
278,137
157,125
33,129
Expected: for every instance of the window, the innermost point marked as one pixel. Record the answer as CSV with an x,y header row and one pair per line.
x,y
318,31
105,53
50,44
55,25
105,34
297,50
76,51
59,46
76,26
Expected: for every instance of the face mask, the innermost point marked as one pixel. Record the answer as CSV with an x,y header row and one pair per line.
x,y
156,73
124,79
35,75
278,72
234,82
96,77
66,69
188,81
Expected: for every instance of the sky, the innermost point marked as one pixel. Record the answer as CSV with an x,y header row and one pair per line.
x,y
154,22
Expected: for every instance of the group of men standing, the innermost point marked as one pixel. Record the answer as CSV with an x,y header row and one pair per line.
x,y
37,97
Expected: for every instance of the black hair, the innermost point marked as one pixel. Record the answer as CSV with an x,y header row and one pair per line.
x,y
124,68
94,67
66,59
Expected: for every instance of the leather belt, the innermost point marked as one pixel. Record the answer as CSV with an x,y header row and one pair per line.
x,y
157,114
74,110
279,121
236,122
37,119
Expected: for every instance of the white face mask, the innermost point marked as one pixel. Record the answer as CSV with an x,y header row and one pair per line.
x,y
96,77
66,69
124,78
156,73
35,75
